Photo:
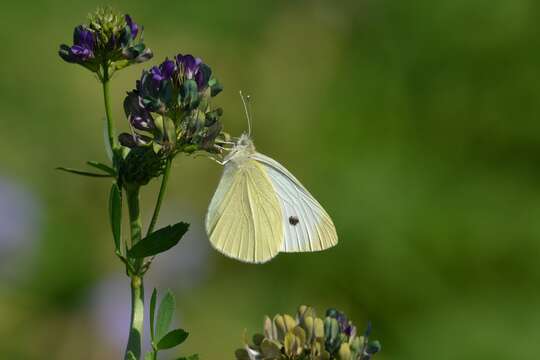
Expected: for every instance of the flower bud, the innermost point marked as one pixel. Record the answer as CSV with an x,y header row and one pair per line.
x,y
344,352
309,337
373,347
140,165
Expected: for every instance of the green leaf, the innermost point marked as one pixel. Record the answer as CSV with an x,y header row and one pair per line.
x,y
131,356
152,312
115,214
82,172
165,315
106,168
159,241
172,339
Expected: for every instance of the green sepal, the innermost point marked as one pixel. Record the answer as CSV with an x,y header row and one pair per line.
x,y
159,241
115,215
164,316
172,339
156,147
170,131
153,300
120,64
160,125
204,101
215,87
190,94
105,168
82,172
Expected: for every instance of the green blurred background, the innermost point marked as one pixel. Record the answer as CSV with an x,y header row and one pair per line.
x,y
414,123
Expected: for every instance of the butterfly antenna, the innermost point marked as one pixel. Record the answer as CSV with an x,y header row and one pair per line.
x,y
247,108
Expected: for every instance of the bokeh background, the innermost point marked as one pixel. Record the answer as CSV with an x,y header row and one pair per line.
x,y
415,123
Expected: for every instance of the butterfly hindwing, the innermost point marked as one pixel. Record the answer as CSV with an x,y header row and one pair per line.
x,y
306,225
244,220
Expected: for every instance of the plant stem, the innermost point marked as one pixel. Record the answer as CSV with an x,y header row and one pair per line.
x,y
135,224
137,317
108,112
164,181
137,288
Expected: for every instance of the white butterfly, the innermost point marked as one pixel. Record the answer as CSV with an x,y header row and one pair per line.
x,y
260,209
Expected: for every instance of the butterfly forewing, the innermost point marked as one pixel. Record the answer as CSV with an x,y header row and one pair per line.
x,y
244,220
306,225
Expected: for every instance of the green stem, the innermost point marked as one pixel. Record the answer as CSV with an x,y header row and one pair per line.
x,y
164,181
135,224
137,317
137,288
105,81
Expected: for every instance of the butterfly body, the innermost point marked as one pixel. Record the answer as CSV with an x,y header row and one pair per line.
x,y
260,209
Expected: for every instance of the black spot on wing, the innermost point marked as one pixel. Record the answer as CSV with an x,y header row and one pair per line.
x,y
293,220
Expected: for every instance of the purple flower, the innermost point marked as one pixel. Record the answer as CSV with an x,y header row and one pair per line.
x,y
107,38
189,65
84,38
138,116
164,71
133,140
133,27
83,46
168,67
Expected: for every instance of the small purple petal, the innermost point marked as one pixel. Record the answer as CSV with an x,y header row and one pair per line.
x,y
83,37
127,140
163,72
189,64
168,67
80,52
137,115
142,122
131,141
133,27
199,79
66,54
157,76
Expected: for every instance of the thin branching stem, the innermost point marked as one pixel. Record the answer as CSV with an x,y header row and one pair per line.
x,y
105,81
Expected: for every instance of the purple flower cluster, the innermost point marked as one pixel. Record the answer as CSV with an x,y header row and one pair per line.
x,y
109,39
169,108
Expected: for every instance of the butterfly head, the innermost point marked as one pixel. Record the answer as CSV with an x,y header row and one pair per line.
x,y
244,144
242,148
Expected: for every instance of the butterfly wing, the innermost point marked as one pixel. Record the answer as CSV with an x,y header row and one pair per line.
x,y
306,226
244,219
